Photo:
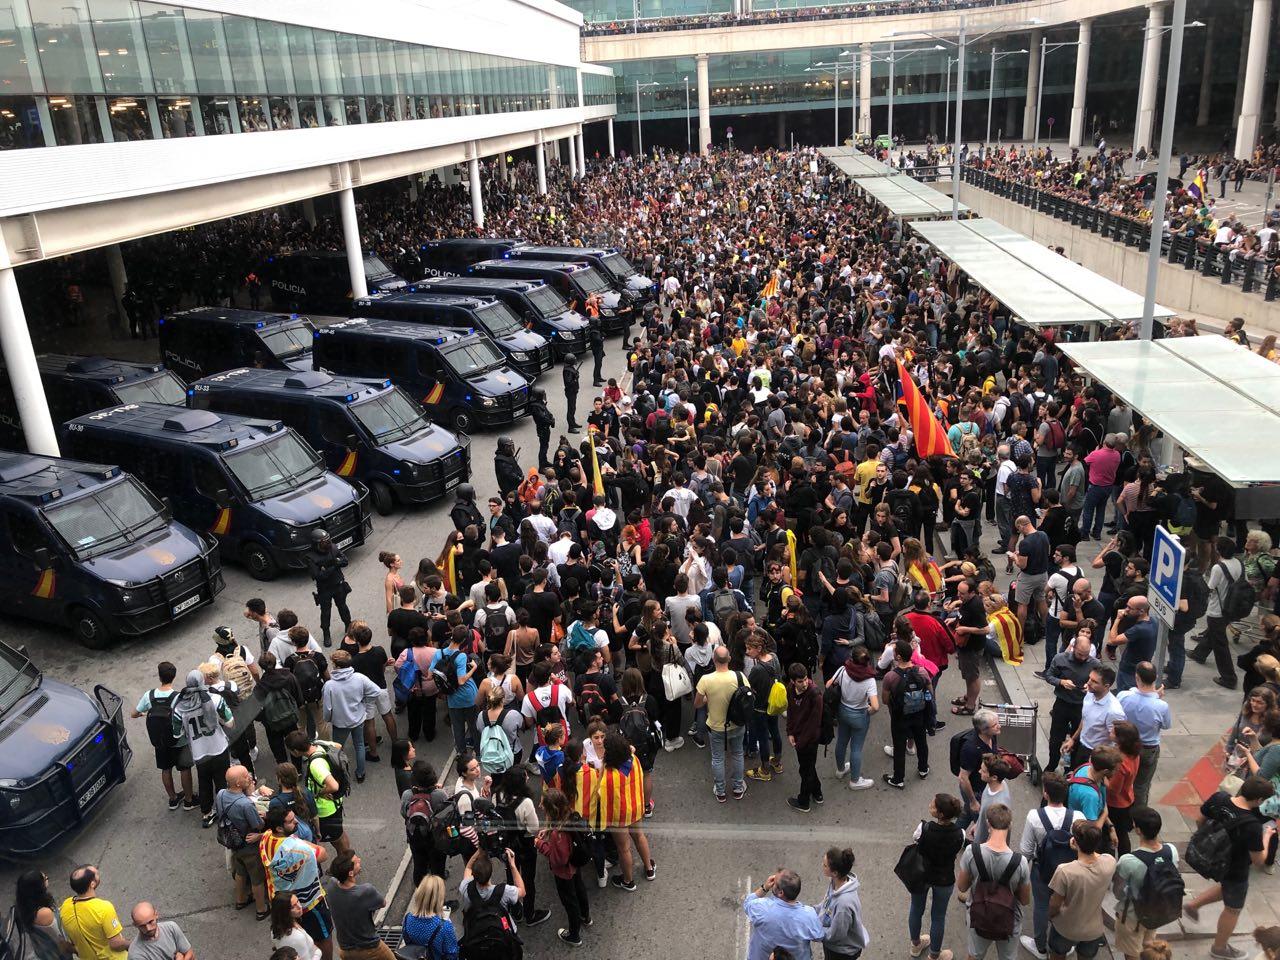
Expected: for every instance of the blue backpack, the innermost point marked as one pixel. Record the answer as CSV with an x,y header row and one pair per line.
x,y
1055,847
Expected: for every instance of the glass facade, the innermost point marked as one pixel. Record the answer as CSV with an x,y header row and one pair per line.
x,y
597,89
90,71
594,11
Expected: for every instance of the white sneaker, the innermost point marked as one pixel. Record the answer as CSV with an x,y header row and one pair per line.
x,y
671,746
911,749
602,879
841,771
888,750
1029,945
861,784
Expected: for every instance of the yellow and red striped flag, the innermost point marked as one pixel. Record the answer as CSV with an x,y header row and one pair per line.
x,y
927,575
597,481
771,288
931,439
1008,633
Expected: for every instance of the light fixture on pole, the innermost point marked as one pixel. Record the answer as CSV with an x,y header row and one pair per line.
x,y
835,69
688,118
991,88
951,62
892,59
639,118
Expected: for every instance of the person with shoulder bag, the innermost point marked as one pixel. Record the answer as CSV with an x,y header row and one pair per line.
x,y
428,934
565,844
938,842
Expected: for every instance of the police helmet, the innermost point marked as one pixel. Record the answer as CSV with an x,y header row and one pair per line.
x,y
506,443
537,393
466,491
570,358
319,535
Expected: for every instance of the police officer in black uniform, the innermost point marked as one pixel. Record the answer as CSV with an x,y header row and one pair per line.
x,y
505,467
571,389
544,420
465,512
595,335
325,563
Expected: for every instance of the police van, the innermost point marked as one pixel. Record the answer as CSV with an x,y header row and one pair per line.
x,y
619,271
254,484
203,340
320,280
89,547
62,753
450,258
76,385
537,304
366,429
525,350
573,281
460,378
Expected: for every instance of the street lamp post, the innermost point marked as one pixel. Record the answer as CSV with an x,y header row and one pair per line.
x,y
639,117
688,122
835,67
951,62
991,89
892,59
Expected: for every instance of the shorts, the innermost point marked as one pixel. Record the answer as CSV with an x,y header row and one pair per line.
x,y
1030,587
970,661
318,921
1131,936
380,707
1005,949
1234,893
168,757
1085,949
331,828
246,863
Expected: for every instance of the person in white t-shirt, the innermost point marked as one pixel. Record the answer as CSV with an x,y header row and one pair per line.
x,y
540,696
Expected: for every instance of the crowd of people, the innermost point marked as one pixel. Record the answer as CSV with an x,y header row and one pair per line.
x,y
745,552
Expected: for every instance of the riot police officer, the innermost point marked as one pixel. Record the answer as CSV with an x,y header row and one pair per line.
x,y
465,512
571,389
595,336
325,563
505,467
544,420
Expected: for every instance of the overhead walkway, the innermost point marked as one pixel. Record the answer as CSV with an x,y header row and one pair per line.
x,y
856,164
906,198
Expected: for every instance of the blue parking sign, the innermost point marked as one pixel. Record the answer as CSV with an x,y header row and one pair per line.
x,y
1165,576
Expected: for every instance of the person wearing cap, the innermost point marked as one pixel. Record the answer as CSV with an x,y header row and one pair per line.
x,y
324,563
570,374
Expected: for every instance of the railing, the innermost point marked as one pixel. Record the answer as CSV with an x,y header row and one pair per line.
x,y
1251,275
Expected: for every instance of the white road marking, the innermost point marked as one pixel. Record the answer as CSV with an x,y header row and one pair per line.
x,y
741,925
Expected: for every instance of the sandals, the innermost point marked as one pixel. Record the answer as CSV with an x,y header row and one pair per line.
x,y
247,903
963,711
959,702
262,916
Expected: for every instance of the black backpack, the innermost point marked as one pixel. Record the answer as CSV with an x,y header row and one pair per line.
x,y
742,703
591,703
490,933
160,719
307,672
1055,846
913,692
1159,899
635,725
1209,849
279,712
1238,601
496,627
830,714
958,742
446,677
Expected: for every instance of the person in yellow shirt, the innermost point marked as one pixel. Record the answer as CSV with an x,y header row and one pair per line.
x,y
89,921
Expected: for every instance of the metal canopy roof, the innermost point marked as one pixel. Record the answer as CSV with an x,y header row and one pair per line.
x,y
856,164
1218,400
1040,287
907,198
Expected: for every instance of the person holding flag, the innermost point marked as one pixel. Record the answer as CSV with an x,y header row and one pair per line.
x,y
922,568
931,438
1004,636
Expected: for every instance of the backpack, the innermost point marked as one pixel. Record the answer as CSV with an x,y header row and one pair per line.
x,y
446,679
1057,436
742,703
591,703
1054,848
958,742
490,934
830,714
1240,598
307,672
339,766
160,719
496,755
279,712
1208,851
874,634
635,725
229,834
1184,513
579,841
724,604
567,522
902,513
913,693
992,909
544,715
496,627
1159,899
1196,593
235,669
419,817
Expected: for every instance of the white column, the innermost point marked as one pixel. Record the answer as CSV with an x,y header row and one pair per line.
x,y
309,211
582,155
351,237
413,189
611,153
1206,74
1078,114
119,279
477,201
864,92
503,173
540,152
1033,86
20,359
1254,78
704,105
573,159
1153,47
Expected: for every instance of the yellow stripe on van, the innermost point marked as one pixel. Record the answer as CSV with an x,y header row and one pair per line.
x,y
436,393
45,585
348,464
222,525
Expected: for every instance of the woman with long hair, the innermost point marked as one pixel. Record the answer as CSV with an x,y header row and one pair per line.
x,y
403,755
392,582
286,931
447,563
427,568
520,825
620,809
633,695
33,929
1249,725
1120,797
1140,514
859,700
426,921
555,842
522,644
1112,557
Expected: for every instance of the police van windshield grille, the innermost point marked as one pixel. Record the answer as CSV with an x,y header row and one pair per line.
x,y
287,341
274,466
164,388
617,265
390,416
499,319
547,301
374,267
17,677
472,358
106,519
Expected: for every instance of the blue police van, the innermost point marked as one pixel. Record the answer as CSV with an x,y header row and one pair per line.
x,y
203,340
89,547
254,484
369,430
573,281
614,266
62,753
526,351
534,302
320,281
461,378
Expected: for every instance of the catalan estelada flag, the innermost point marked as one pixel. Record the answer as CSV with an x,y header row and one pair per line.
x,y
620,796
450,572
772,287
597,481
586,778
927,575
931,439
1197,187
1008,631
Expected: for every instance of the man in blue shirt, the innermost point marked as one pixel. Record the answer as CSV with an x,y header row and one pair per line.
x,y
462,702
1145,708
1087,794
778,919
1134,633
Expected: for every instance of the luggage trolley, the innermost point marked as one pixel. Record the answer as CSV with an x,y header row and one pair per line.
x,y
1019,730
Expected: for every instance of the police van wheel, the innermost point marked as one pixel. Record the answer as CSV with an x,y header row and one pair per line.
x,y
89,628
383,500
258,562
461,420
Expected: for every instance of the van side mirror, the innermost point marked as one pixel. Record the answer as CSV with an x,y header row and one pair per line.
x,y
166,509
42,558
352,441
222,497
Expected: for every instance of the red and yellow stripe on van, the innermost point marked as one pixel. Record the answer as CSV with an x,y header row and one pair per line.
x,y
436,393
46,585
348,466
222,526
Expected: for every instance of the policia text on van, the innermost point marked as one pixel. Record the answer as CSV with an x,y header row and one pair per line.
x,y
254,484
319,280
366,429
88,546
460,378
203,340
61,755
